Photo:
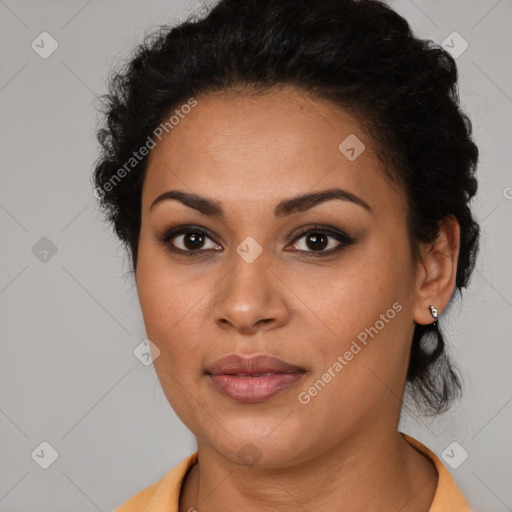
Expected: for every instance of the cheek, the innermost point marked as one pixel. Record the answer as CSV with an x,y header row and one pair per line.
x,y
355,378
168,306
343,301
166,297
365,322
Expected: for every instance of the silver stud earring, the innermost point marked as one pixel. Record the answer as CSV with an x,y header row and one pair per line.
x,y
433,312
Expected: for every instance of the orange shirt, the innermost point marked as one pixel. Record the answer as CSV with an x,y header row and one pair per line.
x,y
163,496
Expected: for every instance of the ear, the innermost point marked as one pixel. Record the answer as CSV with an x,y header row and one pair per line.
x,y
437,271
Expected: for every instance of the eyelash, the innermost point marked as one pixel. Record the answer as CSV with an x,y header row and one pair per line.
x,y
166,237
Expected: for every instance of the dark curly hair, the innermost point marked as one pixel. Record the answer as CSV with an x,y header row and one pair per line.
x,y
358,54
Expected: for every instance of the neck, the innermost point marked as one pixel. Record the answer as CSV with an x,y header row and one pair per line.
x,y
372,470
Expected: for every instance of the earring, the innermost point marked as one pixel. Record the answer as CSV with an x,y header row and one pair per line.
x,y
433,312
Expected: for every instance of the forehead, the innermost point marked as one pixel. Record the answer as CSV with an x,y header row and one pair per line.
x,y
254,148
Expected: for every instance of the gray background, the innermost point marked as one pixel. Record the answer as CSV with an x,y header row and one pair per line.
x,y
69,325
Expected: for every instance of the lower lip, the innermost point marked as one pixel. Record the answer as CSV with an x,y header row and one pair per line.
x,y
255,389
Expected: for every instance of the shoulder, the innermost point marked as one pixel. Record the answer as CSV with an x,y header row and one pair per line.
x,y
161,495
448,496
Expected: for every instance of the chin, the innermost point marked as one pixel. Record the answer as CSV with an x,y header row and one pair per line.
x,y
264,444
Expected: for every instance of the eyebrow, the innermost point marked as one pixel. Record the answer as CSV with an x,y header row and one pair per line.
x,y
295,204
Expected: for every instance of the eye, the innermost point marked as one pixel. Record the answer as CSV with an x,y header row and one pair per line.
x,y
196,240
321,240
188,240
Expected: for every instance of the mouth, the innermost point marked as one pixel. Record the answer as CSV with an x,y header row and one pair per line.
x,y
254,379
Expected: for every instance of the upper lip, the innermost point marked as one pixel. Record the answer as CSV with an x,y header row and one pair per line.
x,y
235,364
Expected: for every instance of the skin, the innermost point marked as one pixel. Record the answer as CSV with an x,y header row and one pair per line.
x,y
341,450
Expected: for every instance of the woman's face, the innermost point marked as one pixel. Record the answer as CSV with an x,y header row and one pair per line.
x,y
326,285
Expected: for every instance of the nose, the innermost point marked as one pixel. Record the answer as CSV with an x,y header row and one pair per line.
x,y
250,298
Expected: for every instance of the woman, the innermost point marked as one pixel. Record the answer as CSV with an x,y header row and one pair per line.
x,y
292,180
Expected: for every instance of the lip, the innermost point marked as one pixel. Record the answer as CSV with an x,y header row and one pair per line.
x,y
253,379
